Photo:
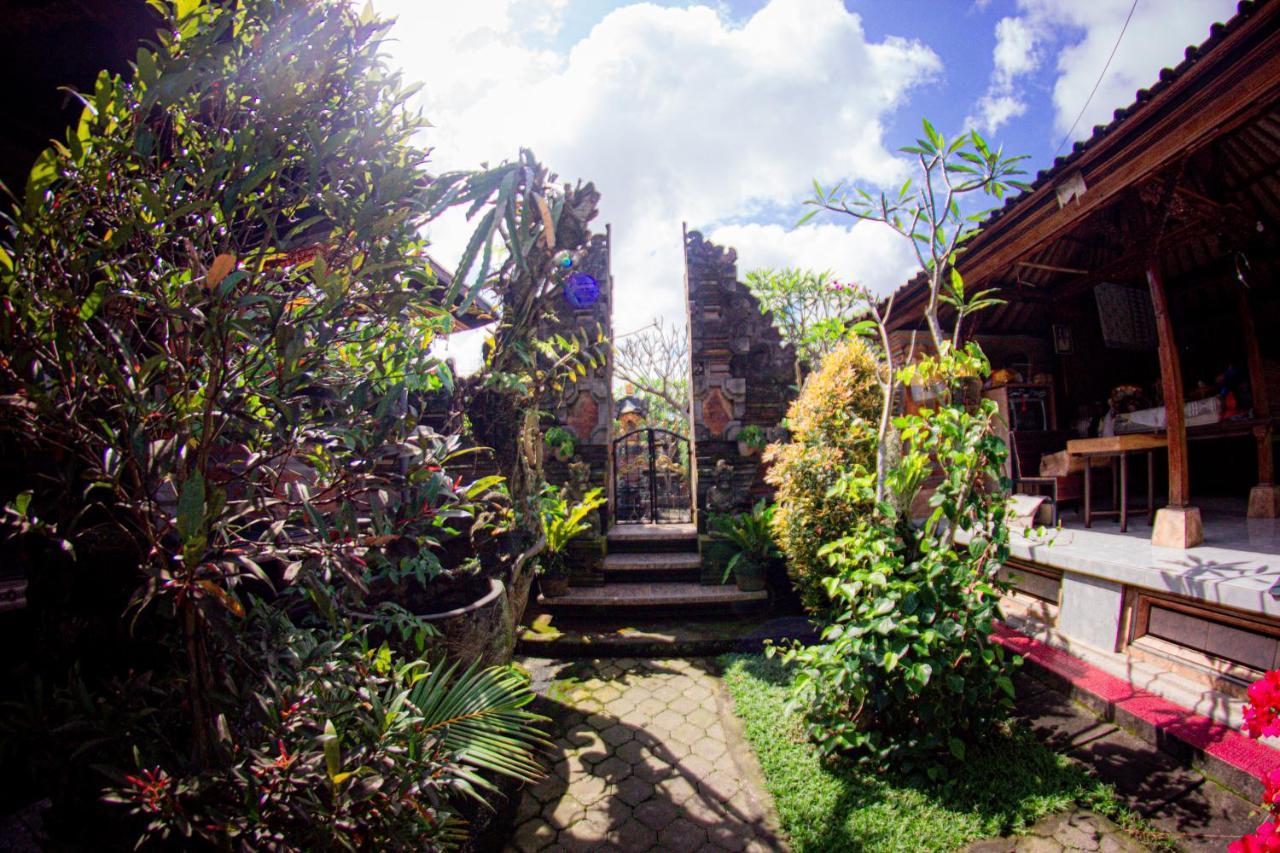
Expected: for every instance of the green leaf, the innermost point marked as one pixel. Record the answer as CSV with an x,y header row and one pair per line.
x,y
332,751
957,747
191,508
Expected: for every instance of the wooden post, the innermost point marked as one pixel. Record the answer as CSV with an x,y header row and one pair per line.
x,y
1178,525
1264,498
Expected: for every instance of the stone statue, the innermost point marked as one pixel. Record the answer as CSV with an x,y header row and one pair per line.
x,y
721,497
576,489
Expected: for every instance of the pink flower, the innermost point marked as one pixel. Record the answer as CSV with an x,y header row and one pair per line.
x,y
1262,714
1265,840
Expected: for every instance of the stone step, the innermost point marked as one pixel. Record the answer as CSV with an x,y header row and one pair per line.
x,y
651,533
656,565
666,594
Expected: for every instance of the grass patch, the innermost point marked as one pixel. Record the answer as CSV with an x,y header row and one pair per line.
x,y
1004,786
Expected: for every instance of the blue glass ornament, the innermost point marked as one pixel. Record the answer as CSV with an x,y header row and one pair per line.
x,y
581,290
563,260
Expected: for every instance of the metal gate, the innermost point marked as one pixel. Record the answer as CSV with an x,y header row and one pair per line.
x,y
651,478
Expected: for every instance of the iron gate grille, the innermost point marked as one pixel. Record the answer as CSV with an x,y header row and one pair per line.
x,y
651,478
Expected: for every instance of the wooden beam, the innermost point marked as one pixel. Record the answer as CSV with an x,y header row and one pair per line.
x,y
1049,268
1239,79
1171,381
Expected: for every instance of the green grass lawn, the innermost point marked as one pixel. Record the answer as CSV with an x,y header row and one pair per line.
x,y
1003,787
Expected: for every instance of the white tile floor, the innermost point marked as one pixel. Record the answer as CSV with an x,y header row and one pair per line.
x,y
1238,565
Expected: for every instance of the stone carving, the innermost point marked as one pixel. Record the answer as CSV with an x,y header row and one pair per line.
x,y
722,497
583,416
715,413
576,489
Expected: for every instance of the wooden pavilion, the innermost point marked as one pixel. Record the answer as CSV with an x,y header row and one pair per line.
x,y
1141,279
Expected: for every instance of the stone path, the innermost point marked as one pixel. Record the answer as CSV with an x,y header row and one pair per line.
x,y
1060,833
649,757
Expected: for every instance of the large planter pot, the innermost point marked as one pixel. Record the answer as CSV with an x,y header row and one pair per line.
x,y
751,576
553,587
480,631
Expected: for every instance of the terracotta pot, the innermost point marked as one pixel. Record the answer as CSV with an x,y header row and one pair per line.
x,y
750,575
553,587
479,631
745,449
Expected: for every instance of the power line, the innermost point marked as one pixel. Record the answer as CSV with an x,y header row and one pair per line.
x,y
1087,100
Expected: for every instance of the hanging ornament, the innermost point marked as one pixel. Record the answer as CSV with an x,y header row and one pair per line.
x,y
581,290
563,260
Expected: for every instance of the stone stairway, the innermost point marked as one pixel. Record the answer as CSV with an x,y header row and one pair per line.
x,y
652,565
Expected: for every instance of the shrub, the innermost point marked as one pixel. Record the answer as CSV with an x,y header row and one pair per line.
x,y
216,312
833,432
330,743
907,669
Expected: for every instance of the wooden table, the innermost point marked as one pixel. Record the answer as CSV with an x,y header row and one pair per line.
x,y
1119,447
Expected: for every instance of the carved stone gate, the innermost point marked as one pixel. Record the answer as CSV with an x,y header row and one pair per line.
x,y
651,478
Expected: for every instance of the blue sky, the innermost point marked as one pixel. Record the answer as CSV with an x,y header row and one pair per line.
x,y
719,112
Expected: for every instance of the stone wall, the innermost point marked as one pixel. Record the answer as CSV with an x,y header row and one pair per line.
x,y
743,375
586,408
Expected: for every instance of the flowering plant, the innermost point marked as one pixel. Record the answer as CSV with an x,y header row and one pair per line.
x,y
1262,719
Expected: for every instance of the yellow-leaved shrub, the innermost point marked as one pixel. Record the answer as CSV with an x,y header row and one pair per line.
x,y
833,431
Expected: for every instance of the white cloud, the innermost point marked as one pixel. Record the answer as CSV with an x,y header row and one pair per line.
x,y
1084,34
677,114
868,253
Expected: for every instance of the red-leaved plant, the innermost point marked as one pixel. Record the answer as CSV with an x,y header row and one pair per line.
x,y
1262,719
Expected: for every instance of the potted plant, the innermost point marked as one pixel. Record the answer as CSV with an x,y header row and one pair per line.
x,y
751,440
750,537
562,522
560,441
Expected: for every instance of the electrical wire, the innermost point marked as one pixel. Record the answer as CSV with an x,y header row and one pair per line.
x,y
1089,99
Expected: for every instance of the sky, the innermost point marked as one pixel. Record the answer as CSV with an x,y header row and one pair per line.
x,y
721,114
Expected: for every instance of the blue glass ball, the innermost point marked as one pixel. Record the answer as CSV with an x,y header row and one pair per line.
x,y
563,260
581,290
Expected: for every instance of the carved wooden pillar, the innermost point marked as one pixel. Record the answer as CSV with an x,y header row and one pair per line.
x,y
1178,525
1264,498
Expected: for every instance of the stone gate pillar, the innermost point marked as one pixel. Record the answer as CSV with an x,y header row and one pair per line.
x,y
742,375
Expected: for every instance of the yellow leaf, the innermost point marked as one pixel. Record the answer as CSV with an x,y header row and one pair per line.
x,y
548,226
221,268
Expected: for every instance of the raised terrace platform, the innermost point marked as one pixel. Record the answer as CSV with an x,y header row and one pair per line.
x,y
1193,626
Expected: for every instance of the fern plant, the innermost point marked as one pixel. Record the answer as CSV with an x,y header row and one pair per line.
x,y
562,522
750,534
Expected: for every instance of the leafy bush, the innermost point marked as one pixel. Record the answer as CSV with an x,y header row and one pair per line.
x,y
562,522
217,312
907,668
333,744
749,536
833,432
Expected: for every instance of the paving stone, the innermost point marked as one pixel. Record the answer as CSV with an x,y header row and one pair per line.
x,y
563,812
588,789
677,789
632,751
617,734
613,769
533,835
656,813
684,705
687,733
652,770
666,722
650,707
607,694
709,748
634,790
702,717
634,836
682,836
